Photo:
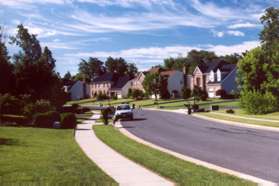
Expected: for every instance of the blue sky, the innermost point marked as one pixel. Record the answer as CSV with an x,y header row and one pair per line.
x,y
142,31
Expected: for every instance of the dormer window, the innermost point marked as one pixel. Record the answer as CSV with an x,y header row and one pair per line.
x,y
219,75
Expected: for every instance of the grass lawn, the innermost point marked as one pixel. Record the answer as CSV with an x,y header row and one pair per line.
x,y
33,156
177,170
249,120
82,101
164,104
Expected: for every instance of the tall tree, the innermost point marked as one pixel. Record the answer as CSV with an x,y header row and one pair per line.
x,y
35,69
270,33
6,68
258,71
151,84
91,68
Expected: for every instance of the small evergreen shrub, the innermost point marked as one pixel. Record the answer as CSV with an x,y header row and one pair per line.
x,y
137,94
186,93
257,103
11,105
105,115
68,120
46,120
230,111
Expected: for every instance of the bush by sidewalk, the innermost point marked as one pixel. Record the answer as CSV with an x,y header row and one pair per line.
x,y
68,121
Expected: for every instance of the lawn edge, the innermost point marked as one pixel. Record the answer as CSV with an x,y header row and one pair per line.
x,y
240,124
240,175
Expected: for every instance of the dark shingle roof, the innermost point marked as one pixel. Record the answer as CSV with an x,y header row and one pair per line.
x,y
121,81
104,78
207,66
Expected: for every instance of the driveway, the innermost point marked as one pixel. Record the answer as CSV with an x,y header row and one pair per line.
x,y
250,151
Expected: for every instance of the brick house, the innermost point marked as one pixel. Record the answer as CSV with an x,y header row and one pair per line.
x,y
212,76
110,85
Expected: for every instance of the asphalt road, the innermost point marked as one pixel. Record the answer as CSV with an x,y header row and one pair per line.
x,y
250,151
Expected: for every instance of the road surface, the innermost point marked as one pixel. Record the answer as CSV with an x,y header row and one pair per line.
x,y
250,151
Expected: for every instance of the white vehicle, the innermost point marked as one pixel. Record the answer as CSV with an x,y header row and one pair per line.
x,y
124,111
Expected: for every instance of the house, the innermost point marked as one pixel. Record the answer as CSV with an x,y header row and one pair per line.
x,y
110,84
213,76
174,81
79,90
137,82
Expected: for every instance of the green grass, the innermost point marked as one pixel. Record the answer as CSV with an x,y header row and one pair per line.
x,y
270,116
33,156
230,117
166,104
177,170
82,101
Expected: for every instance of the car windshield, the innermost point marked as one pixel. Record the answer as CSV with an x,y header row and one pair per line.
x,y
123,107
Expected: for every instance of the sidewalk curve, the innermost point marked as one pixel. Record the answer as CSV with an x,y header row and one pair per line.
x,y
121,169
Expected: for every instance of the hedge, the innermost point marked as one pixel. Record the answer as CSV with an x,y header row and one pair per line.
x,y
68,121
46,120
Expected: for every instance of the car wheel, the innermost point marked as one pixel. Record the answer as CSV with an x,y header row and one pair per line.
x,y
131,117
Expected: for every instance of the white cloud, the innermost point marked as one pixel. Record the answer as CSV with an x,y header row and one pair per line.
x,y
236,33
218,33
14,3
147,57
128,3
88,22
243,25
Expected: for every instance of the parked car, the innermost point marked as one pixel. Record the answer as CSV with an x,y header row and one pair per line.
x,y
124,111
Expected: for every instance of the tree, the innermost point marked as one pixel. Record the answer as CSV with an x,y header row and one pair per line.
x,y
258,71
91,68
116,65
270,33
6,69
251,71
232,58
132,69
35,69
175,63
151,84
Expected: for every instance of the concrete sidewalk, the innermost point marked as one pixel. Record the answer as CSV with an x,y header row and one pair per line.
x,y
121,169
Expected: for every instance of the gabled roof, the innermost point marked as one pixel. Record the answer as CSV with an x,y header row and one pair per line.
x,y
121,82
168,73
104,78
207,66
155,70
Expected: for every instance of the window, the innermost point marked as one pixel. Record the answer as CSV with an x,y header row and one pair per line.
x,y
198,81
218,75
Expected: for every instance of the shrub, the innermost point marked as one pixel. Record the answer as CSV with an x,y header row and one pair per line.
x,y
137,94
199,94
68,121
257,103
101,96
46,120
10,105
14,119
186,93
40,106
230,111
105,115
195,107
222,93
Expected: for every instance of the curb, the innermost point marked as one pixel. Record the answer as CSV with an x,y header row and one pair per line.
x,y
239,124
